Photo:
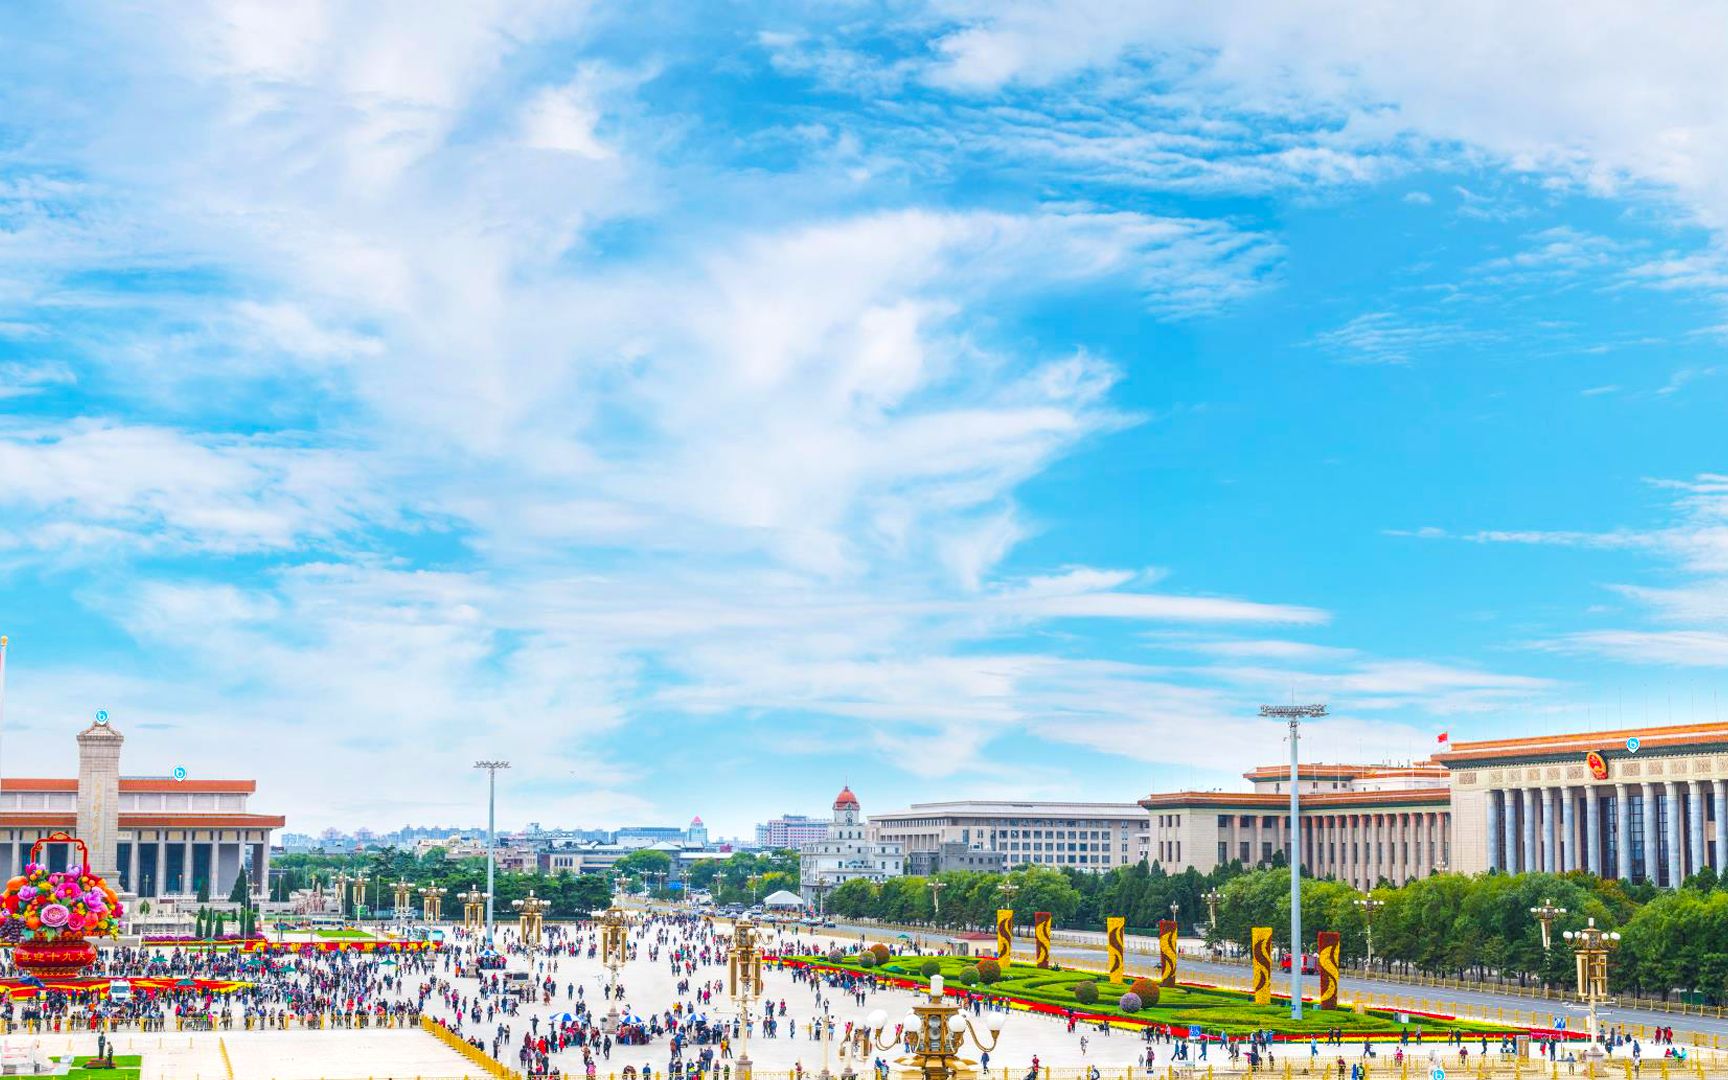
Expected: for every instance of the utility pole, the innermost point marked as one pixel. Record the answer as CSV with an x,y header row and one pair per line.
x,y
491,768
1295,714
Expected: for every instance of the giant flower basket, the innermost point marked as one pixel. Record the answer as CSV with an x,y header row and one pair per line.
x,y
48,916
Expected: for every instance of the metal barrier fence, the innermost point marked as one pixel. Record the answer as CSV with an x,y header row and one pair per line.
x,y
62,1025
491,1066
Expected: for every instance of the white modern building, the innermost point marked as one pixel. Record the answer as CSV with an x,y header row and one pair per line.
x,y
790,831
847,853
1084,835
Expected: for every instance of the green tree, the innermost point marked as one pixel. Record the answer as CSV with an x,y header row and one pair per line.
x,y
241,893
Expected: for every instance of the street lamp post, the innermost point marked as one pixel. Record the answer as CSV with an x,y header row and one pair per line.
x,y
1546,913
1213,897
937,1031
491,768
359,894
1294,715
1369,906
614,950
1592,947
744,985
1175,911
936,888
821,891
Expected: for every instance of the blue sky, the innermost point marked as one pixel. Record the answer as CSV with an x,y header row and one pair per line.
x,y
707,406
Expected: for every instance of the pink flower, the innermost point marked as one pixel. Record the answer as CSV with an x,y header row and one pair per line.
x,y
68,890
75,922
54,915
27,892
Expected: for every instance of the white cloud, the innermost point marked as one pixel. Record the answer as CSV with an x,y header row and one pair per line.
x,y
101,486
1608,95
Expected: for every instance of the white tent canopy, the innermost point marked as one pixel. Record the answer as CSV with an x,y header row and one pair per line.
x,y
783,899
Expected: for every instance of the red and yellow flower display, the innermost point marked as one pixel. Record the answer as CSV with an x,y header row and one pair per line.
x,y
58,905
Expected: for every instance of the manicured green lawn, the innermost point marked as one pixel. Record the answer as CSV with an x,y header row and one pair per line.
x,y
345,935
126,1067
1214,1011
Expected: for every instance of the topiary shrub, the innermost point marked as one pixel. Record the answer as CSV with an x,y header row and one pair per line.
x,y
989,970
929,968
867,959
880,951
969,976
1086,993
835,956
1146,990
1129,1002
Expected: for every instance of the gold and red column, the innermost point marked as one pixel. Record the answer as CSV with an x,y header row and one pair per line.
x,y
1327,940
1260,952
1005,935
1167,952
1114,929
1041,937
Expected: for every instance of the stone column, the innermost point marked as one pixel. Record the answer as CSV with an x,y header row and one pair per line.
x,y
161,882
1652,841
1695,817
99,797
1550,830
1719,791
1496,831
1593,830
1622,832
1568,831
188,884
1676,852
1528,798
132,864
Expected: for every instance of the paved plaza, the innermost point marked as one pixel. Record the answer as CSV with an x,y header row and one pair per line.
x,y
650,987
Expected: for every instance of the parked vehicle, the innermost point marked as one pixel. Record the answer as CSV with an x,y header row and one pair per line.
x,y
1310,963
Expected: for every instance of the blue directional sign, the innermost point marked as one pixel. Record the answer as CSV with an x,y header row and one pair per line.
x,y
1632,744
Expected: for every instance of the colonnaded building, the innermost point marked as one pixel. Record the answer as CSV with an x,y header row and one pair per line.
x,y
156,835
1648,804
1658,812
1360,823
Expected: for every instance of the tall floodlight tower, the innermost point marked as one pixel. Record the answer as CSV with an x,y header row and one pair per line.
x,y
1295,714
491,768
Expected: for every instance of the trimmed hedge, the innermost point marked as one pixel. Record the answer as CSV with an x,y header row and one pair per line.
x,y
1086,993
1215,1010
1129,1002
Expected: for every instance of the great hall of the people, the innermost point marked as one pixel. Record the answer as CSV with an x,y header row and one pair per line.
x,y
1640,804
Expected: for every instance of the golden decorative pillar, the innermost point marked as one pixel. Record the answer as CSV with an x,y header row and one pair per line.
x,y
531,909
432,902
474,910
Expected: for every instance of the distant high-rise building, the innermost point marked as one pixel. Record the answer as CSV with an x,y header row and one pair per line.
x,y
697,834
790,831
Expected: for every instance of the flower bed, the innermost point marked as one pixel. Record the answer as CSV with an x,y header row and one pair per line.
x,y
1179,1010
